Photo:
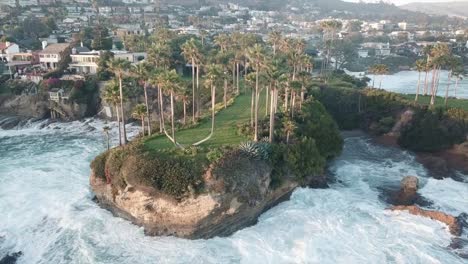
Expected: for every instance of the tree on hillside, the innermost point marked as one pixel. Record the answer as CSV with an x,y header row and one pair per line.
x,y
256,57
378,69
438,58
420,67
142,72
139,112
213,77
112,97
274,39
277,77
169,82
120,69
453,64
191,52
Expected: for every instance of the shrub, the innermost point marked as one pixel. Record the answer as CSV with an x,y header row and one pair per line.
x,y
431,131
214,155
98,165
304,159
173,175
315,122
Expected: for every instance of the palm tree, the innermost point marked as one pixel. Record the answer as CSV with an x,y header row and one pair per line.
x,y
453,63
378,69
256,57
184,94
106,130
304,79
213,76
112,97
296,86
222,41
203,35
169,81
120,69
329,28
191,52
274,39
288,127
439,55
458,73
139,112
142,72
420,67
276,77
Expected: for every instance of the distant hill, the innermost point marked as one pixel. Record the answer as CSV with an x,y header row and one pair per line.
x,y
453,9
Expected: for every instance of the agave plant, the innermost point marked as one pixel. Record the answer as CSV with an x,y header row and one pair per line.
x,y
257,150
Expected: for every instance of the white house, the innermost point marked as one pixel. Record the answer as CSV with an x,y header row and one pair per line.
x,y
7,49
84,62
51,55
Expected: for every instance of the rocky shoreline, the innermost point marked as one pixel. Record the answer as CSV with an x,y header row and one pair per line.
x,y
204,216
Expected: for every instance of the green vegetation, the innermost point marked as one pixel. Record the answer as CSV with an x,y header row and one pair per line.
x,y
376,111
425,100
227,122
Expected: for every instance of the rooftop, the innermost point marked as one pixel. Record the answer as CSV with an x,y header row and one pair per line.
x,y
55,48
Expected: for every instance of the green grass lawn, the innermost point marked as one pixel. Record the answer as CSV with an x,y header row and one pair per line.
x,y
439,101
225,126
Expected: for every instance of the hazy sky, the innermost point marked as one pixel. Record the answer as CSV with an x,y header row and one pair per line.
x,y
401,2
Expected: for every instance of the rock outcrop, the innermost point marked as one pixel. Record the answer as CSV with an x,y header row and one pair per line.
x,y
11,258
455,227
407,194
33,106
219,211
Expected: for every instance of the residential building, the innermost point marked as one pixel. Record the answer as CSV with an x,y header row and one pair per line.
x,y
85,62
53,54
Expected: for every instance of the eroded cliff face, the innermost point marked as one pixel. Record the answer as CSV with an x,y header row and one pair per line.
x,y
220,210
24,105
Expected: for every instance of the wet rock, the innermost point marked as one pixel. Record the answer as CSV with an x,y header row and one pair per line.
x,y
436,166
463,220
11,258
452,222
407,195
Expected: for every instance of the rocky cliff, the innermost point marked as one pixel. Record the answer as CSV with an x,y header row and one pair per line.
x,y
220,210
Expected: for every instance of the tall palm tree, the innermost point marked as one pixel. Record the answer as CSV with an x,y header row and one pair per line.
x,y
378,69
438,55
420,67
169,81
276,76
458,73
142,72
256,56
296,87
288,128
106,131
139,112
452,63
120,69
329,27
112,97
213,77
222,41
274,39
304,78
191,52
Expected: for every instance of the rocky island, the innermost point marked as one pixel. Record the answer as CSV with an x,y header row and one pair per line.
x,y
197,192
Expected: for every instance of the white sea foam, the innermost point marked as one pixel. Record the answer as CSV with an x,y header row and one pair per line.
x,y
406,82
47,212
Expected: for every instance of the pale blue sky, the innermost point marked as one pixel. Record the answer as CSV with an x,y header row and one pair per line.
x,y
401,2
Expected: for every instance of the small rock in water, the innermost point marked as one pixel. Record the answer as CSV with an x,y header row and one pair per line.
x,y
407,195
11,258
